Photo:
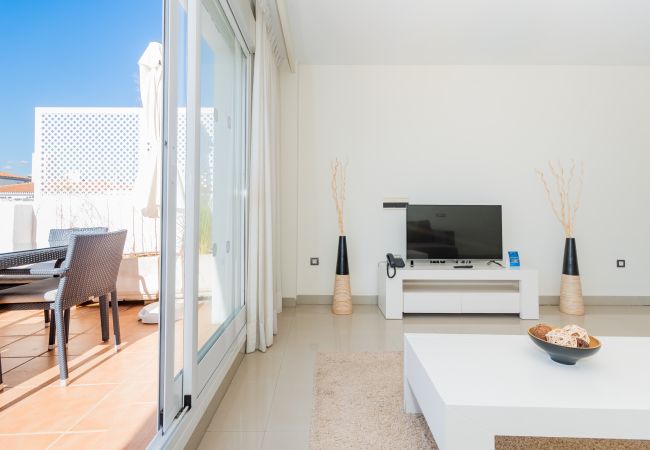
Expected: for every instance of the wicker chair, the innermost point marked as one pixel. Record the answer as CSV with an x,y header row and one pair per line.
x,y
61,236
89,270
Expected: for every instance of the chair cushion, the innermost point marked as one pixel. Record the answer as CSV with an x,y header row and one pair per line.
x,y
36,292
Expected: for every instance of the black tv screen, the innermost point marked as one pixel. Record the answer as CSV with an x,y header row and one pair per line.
x,y
450,232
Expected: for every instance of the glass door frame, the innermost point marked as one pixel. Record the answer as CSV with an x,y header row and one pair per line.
x,y
177,392
170,398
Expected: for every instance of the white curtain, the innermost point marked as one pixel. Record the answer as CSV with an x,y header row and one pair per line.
x,y
264,298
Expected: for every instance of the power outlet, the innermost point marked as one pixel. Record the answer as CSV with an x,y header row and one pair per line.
x,y
314,261
620,263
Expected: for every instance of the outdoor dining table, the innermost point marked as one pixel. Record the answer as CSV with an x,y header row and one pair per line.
x,y
24,257
30,256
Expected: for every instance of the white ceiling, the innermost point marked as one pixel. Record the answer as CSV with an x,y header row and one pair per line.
x,y
470,31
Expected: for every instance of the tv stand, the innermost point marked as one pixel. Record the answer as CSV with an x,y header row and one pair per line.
x,y
443,289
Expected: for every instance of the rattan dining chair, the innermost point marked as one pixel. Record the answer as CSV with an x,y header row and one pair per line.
x,y
89,270
61,236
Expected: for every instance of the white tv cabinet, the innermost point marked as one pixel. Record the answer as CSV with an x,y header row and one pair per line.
x,y
423,289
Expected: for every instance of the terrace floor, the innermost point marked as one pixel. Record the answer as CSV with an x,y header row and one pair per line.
x,y
111,399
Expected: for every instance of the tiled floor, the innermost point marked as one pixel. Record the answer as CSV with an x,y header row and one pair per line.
x,y
111,400
268,405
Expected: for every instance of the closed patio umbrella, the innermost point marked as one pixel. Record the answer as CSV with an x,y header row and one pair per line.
x,y
147,186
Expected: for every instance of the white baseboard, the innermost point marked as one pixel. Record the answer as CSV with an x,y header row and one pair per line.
x,y
288,302
327,300
601,300
590,300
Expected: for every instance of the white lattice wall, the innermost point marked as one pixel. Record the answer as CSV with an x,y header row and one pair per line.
x,y
85,164
87,150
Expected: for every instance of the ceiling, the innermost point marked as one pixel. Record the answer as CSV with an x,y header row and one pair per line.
x,y
470,31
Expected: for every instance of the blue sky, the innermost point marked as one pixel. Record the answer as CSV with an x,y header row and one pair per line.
x,y
67,53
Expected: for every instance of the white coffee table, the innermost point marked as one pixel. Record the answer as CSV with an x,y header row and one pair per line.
x,y
471,388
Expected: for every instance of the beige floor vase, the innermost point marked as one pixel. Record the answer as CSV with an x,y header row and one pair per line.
x,y
571,301
342,298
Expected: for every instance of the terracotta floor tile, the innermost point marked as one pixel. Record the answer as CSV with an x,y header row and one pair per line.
x,y
11,363
4,340
11,396
111,367
117,404
143,344
134,430
27,441
111,391
80,441
82,343
28,346
24,328
17,315
52,409
35,372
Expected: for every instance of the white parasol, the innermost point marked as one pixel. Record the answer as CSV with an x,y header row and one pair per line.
x,y
147,186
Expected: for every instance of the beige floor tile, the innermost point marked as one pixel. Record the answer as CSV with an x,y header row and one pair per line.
x,y
286,440
291,407
245,407
258,366
231,440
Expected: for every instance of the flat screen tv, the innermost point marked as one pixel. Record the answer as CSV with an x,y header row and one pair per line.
x,y
454,232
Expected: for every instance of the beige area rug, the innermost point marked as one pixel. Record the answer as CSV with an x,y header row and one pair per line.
x,y
358,405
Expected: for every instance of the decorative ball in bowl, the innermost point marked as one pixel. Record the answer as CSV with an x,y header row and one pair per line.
x,y
565,345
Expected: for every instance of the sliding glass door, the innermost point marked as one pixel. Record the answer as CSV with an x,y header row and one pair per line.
x,y
221,177
204,199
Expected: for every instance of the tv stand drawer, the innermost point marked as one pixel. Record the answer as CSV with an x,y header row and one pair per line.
x,y
432,302
502,303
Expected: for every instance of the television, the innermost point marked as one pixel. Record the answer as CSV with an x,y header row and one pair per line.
x,y
454,232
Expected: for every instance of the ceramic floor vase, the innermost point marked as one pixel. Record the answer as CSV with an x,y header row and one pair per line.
x,y
571,301
342,299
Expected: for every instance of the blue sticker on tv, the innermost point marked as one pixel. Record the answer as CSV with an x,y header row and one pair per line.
x,y
514,259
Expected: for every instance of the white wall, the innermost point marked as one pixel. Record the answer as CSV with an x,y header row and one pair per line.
x,y
289,182
467,135
17,225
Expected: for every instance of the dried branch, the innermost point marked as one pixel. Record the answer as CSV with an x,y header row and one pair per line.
x,y
338,182
568,206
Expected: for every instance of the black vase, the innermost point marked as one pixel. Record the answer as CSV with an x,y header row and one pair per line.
x,y
570,265
342,258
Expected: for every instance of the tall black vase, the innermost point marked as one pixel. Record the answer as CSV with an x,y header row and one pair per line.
x,y
342,258
570,265
342,298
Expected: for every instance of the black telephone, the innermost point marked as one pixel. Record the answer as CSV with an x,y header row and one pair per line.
x,y
393,263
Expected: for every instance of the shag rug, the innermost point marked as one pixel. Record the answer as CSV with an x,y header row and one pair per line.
x,y
358,405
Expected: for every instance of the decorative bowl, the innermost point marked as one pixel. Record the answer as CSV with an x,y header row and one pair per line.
x,y
566,355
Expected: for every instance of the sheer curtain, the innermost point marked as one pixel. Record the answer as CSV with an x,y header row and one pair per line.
x,y
264,298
